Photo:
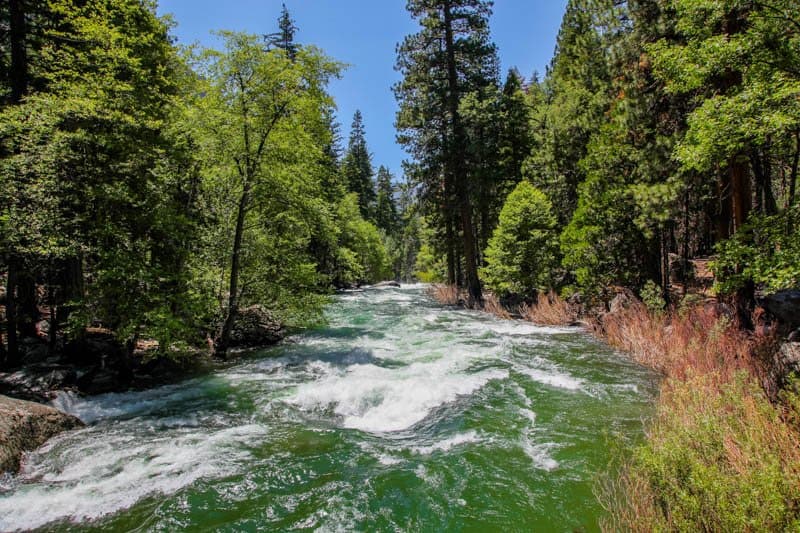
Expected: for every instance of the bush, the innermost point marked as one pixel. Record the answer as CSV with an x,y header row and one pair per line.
x,y
764,252
361,255
652,297
522,251
716,459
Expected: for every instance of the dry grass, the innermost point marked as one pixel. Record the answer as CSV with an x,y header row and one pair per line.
x,y
447,294
492,305
718,455
451,295
549,310
697,341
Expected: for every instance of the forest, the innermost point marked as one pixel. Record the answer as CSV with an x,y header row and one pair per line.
x,y
157,196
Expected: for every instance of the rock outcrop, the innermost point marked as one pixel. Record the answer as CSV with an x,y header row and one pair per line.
x,y
256,326
24,426
785,306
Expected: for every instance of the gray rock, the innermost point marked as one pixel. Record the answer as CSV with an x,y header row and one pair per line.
x,y
622,301
785,363
24,426
37,382
385,284
34,352
794,336
785,306
256,326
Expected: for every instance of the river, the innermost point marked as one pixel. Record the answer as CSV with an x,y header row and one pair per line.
x,y
399,415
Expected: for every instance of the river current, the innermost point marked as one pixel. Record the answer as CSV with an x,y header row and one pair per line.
x,y
399,415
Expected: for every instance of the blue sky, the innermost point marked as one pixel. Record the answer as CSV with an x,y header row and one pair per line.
x,y
363,34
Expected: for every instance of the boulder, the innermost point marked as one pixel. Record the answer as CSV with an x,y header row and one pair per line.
x,y
785,363
24,426
623,300
680,271
37,382
386,284
256,326
785,306
34,351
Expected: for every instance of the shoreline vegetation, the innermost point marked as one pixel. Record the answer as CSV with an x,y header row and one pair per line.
x,y
722,452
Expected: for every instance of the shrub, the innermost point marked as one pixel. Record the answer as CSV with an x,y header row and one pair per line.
x,y
652,297
716,459
764,252
522,251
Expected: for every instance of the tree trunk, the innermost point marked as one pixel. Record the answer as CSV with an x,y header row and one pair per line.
x,y
664,268
451,252
19,57
27,304
724,212
12,354
741,193
456,162
223,341
793,182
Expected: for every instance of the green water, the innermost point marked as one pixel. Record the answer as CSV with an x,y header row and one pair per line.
x,y
401,415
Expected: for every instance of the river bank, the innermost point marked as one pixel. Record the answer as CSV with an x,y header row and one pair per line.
x,y
721,452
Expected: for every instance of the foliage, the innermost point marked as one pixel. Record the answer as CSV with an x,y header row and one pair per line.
x,y
522,251
362,256
719,460
653,298
357,168
765,252
429,265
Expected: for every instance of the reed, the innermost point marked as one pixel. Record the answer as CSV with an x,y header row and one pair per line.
x,y
549,310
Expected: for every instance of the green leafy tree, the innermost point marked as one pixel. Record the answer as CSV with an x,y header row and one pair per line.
x,y
260,118
522,252
362,256
102,83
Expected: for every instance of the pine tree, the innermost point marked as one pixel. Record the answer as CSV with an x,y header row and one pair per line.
x,y
357,168
284,38
448,59
575,97
386,217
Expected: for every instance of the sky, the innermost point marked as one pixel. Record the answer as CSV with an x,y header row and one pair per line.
x,y
364,34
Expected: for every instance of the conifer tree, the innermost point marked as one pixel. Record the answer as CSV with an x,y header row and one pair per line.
x,y
386,217
449,58
357,168
284,38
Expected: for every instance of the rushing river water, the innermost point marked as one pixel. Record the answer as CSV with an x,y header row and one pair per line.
x,y
400,415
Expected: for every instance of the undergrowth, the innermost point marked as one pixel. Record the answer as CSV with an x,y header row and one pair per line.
x,y
549,310
718,455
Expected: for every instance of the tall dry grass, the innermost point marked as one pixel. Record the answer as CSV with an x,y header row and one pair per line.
x,y
447,294
718,455
695,341
549,310
492,305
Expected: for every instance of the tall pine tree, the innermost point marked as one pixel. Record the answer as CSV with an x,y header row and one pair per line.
x,y
450,57
357,168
